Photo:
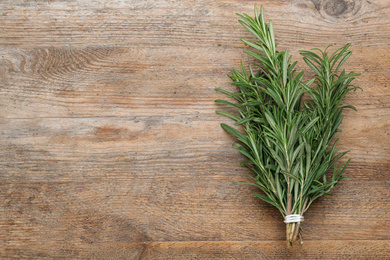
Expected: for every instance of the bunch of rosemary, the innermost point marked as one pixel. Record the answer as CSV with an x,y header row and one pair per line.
x,y
288,138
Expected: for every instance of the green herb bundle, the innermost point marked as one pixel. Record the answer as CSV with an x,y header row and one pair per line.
x,y
288,140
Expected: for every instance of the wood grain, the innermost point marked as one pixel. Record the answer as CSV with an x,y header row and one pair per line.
x,y
267,250
110,147
182,209
188,23
261,250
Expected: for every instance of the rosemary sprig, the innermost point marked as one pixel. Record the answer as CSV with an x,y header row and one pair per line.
x,y
288,139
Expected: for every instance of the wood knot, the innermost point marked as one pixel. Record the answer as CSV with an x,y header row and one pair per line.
x,y
337,8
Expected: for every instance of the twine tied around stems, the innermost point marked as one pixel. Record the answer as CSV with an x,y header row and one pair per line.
x,y
293,218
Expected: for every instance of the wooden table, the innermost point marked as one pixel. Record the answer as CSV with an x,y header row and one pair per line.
x,y
111,149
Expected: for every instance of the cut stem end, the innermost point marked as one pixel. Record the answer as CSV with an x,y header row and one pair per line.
x,y
293,233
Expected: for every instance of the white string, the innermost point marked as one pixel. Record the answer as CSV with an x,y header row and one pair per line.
x,y
293,218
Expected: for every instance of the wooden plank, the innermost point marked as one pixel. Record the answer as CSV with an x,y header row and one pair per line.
x,y
188,23
171,208
315,249
116,148
101,82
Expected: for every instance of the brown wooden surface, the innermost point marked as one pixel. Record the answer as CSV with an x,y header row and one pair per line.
x,y
110,147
